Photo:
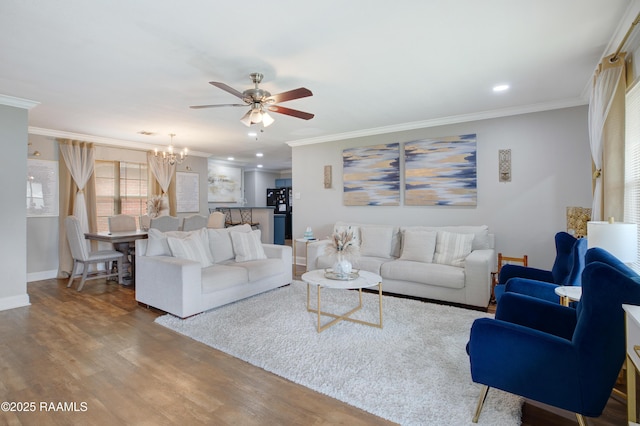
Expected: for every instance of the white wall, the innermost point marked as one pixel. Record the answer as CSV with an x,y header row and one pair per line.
x,y
551,170
13,226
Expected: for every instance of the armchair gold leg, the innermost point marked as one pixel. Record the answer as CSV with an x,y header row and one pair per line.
x,y
582,421
483,396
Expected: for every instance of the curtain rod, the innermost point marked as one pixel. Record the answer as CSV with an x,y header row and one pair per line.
x,y
624,39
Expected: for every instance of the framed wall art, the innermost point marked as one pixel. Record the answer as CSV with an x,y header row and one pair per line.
x,y
371,175
224,183
441,172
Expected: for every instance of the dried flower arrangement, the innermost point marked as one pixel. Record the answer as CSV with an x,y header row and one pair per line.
x,y
344,243
154,205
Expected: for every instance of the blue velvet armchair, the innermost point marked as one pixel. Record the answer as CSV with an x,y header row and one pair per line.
x,y
567,270
518,351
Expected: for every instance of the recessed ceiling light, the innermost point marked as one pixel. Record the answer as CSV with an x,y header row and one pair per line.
x,y
500,87
259,154
230,158
252,134
259,166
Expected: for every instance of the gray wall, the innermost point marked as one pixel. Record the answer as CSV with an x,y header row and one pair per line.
x,y
551,170
13,226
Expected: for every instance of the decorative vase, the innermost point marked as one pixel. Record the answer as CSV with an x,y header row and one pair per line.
x,y
342,267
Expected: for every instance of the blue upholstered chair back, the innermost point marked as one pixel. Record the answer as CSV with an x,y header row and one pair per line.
x,y
599,336
570,259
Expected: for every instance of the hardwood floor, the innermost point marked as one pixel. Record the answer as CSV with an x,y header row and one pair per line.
x,y
102,355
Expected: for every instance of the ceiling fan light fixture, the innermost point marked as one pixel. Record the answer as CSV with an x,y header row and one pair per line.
x,y
246,119
267,120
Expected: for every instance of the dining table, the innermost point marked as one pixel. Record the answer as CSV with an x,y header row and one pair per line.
x,y
123,241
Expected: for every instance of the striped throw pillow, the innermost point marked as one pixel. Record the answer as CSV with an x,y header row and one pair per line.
x,y
247,246
452,249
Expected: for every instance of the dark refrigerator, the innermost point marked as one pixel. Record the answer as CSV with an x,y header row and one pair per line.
x,y
280,198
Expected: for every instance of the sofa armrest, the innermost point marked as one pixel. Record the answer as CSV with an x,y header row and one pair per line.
x,y
477,270
168,283
314,251
285,254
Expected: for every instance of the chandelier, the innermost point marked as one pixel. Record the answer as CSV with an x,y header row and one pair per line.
x,y
257,115
170,156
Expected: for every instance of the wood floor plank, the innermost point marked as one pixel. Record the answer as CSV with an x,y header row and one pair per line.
x,y
98,347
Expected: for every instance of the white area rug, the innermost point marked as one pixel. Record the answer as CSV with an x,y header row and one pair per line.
x,y
414,371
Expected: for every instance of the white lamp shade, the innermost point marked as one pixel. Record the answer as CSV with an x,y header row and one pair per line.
x,y
618,238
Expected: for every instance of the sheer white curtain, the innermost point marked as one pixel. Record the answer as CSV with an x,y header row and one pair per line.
x,y
606,82
79,161
163,172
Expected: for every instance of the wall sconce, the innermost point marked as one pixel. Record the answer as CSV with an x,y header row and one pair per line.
x,y
327,177
504,165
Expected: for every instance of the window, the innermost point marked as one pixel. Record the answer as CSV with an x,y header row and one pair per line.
x,y
632,161
121,188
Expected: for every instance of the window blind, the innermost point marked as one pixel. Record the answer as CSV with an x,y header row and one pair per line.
x,y
632,162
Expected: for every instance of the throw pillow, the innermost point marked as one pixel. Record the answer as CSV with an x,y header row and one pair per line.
x,y
376,241
452,249
157,244
193,247
247,246
418,246
220,242
157,241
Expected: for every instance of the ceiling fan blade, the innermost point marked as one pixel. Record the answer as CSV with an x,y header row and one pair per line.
x,y
216,106
226,88
291,112
290,95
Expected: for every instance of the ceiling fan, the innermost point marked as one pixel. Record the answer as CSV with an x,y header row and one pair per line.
x,y
260,101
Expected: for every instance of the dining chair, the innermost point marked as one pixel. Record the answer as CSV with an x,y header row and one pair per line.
x,y
165,223
82,255
193,222
145,222
121,223
216,220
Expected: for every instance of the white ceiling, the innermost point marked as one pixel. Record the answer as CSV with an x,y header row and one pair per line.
x,y
106,70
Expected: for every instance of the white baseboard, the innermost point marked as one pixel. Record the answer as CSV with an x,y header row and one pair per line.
x,y
42,275
14,302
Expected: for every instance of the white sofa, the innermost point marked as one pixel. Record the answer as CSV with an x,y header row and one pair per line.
x,y
185,273
448,263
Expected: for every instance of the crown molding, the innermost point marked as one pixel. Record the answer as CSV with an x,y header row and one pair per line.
x,y
120,143
17,102
456,119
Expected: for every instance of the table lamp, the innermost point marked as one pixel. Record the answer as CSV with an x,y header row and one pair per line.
x,y
618,238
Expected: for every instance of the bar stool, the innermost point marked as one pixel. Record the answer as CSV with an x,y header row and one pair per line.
x,y
228,221
246,217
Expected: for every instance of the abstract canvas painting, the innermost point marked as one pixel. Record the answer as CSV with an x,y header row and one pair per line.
x,y
371,175
224,183
441,172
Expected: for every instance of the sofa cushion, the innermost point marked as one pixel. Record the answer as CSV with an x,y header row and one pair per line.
x,y
218,277
247,246
452,249
423,273
194,247
376,241
418,246
260,269
220,242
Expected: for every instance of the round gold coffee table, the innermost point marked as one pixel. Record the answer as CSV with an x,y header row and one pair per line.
x,y
364,279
